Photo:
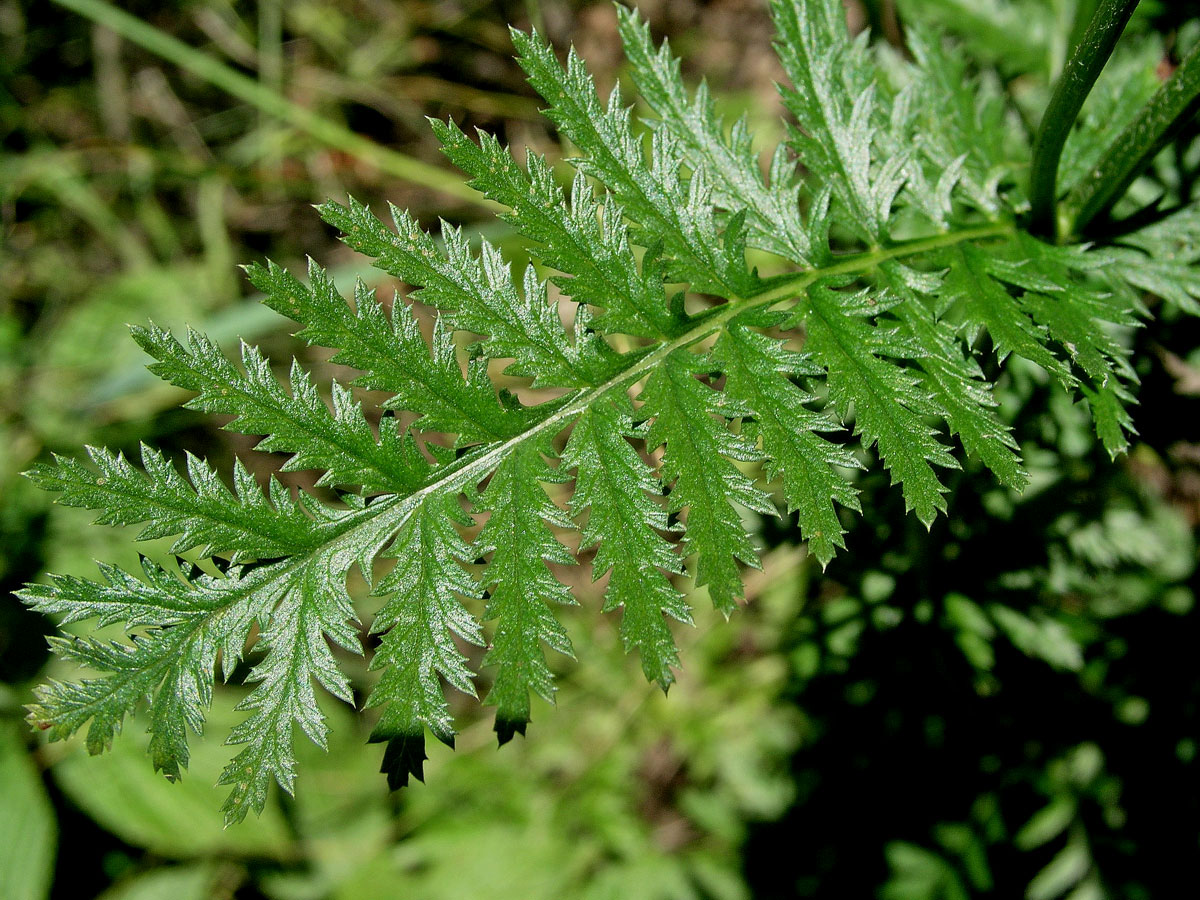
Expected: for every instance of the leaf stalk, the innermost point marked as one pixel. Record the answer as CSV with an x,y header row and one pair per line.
x,y
1169,110
1080,74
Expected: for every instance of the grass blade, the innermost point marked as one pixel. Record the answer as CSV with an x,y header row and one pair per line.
x,y
272,103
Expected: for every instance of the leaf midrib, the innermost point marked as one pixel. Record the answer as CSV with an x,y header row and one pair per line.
x,y
377,524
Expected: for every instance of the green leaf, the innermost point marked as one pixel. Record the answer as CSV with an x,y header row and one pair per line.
x,y
28,832
393,355
675,382
1078,317
1062,873
1162,260
959,130
418,623
652,192
314,608
242,524
583,239
888,401
480,293
772,210
833,97
1017,38
920,873
193,882
1046,824
758,371
172,665
689,418
338,442
955,379
521,589
973,284
1109,406
626,518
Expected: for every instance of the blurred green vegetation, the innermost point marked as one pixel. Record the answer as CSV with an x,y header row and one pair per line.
x,y
1004,706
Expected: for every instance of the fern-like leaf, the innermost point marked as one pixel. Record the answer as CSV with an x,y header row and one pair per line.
x,y
315,611
758,373
393,355
418,623
200,509
652,192
339,443
900,273
833,97
689,418
772,209
522,590
619,494
889,401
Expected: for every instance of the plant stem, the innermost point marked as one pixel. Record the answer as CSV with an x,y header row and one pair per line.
x,y
1084,11
1169,110
1082,69
272,103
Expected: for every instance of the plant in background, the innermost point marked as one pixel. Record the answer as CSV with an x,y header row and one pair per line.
x,y
727,331
973,673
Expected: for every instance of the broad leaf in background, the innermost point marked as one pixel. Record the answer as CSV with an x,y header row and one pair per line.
x,y
28,832
193,882
178,821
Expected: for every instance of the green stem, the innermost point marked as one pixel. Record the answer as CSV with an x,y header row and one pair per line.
x,y
268,101
1082,69
1169,110
1085,10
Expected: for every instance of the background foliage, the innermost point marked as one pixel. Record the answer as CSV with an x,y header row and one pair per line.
x,y
1003,706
